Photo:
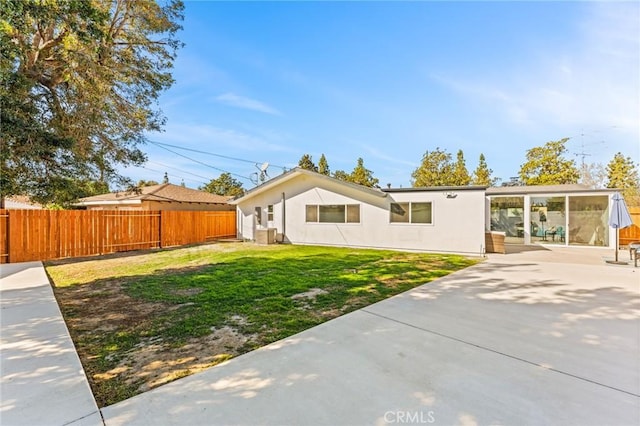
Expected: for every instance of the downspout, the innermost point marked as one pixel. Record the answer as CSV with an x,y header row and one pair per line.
x,y
284,218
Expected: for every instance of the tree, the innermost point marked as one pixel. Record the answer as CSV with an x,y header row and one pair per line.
x,y
306,162
323,166
593,175
141,183
622,173
341,175
546,165
460,173
225,185
435,170
482,173
80,85
362,176
65,198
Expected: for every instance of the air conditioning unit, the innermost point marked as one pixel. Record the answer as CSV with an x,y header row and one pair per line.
x,y
266,236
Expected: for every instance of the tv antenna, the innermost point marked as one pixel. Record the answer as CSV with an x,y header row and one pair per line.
x,y
254,178
582,153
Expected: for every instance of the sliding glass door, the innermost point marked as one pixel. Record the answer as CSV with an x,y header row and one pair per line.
x,y
548,220
588,220
507,215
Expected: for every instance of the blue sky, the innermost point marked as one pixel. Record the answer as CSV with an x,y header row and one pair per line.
x,y
387,81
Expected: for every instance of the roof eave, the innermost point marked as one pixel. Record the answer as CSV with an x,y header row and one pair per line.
x,y
299,172
107,202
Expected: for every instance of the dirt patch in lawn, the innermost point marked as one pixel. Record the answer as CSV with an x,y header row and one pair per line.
x,y
141,320
153,362
97,310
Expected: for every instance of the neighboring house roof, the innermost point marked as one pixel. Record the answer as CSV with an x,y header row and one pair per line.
x,y
165,192
293,173
544,189
21,202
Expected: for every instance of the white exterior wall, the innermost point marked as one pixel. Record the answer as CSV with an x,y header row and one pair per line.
x,y
245,214
527,215
458,223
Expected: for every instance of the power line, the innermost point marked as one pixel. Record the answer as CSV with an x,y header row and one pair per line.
x,y
178,176
199,162
180,170
163,145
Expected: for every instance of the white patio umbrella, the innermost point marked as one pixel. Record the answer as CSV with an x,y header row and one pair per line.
x,y
620,217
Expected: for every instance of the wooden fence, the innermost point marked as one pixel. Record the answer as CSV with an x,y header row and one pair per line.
x,y
27,235
632,233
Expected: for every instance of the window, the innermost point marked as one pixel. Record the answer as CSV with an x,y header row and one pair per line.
x,y
400,212
353,213
333,213
312,213
270,213
410,213
420,212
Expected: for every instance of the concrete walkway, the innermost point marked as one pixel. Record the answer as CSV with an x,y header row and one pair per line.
x,y
549,336
538,336
42,381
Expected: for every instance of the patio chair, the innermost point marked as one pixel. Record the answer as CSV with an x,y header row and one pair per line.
x,y
633,252
560,233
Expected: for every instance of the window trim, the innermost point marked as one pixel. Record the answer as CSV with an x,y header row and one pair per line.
x,y
410,210
346,214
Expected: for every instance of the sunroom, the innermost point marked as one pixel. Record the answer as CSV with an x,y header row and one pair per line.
x,y
572,215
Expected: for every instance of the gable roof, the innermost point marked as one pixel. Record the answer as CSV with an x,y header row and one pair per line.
x,y
293,173
166,192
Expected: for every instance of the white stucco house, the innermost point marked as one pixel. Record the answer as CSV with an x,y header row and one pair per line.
x,y
304,207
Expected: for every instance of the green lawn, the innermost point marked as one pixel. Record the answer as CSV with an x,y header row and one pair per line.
x,y
142,320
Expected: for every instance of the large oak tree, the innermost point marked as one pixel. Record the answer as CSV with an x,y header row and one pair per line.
x,y
80,84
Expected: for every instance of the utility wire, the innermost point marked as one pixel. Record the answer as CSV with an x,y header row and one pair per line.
x,y
180,170
199,162
162,145
178,176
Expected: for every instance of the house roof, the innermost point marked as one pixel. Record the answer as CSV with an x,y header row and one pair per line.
x,y
544,189
21,202
293,173
436,188
166,192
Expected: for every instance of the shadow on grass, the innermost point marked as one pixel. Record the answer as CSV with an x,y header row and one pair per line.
x,y
428,345
250,294
138,253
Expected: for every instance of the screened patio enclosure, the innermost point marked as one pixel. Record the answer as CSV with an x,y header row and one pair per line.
x,y
560,215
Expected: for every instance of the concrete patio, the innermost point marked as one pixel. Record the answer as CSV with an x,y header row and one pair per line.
x,y
546,336
537,336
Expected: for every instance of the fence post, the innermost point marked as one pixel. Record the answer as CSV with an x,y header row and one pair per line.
x,y
160,229
6,236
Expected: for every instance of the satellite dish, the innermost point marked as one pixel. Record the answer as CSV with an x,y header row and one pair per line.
x,y
263,171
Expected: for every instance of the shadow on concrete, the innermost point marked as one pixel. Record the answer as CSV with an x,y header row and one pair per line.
x,y
522,248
